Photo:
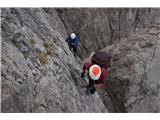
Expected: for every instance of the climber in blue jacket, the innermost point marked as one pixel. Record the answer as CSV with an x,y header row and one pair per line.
x,y
73,41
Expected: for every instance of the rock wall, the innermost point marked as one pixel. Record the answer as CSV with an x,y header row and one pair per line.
x,y
100,27
134,80
40,74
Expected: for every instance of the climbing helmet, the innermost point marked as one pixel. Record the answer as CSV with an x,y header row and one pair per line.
x,y
95,72
73,35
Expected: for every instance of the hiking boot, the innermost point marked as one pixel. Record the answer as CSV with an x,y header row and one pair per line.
x,y
88,92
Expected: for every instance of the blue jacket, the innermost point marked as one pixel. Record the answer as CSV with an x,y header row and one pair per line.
x,y
74,42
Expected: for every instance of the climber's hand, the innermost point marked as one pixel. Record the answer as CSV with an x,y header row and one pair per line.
x,y
83,76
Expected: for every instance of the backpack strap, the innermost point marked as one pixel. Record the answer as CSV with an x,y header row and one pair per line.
x,y
109,64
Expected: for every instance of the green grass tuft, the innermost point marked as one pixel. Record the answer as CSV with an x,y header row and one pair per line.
x,y
42,57
46,45
32,41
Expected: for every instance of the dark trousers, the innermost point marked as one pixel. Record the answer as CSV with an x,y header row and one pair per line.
x,y
74,49
91,87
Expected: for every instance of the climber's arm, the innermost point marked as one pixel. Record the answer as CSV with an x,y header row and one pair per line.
x,y
86,66
68,39
85,69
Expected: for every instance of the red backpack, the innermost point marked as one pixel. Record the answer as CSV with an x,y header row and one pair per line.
x,y
102,59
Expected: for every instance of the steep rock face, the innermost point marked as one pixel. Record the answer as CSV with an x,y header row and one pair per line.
x,y
39,73
100,27
134,81
103,27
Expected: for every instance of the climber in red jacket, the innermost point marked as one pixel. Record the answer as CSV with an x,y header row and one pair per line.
x,y
97,71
